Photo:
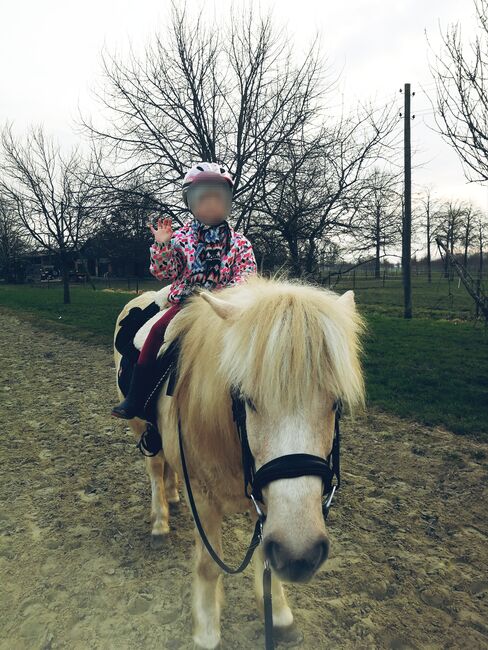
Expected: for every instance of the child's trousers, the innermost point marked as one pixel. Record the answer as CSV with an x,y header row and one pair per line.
x,y
155,337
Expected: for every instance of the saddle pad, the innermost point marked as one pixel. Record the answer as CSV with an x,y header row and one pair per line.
x,y
161,300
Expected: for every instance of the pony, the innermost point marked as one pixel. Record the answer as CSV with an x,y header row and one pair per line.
x,y
294,350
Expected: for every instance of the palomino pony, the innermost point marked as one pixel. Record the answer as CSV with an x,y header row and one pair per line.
x,y
293,351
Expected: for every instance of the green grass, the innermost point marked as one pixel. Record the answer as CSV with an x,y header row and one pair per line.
x,y
431,370
438,299
91,315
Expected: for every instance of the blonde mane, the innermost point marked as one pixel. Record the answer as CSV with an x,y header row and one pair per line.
x,y
289,339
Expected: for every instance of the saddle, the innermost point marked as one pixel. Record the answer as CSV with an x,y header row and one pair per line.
x,y
164,369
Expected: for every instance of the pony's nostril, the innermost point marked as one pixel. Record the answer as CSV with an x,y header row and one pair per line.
x,y
296,566
320,552
273,551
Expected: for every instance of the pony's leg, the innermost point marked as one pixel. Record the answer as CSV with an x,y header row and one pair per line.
x,y
159,505
282,615
171,485
155,466
207,584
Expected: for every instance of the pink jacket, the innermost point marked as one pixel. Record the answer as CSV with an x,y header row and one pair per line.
x,y
173,260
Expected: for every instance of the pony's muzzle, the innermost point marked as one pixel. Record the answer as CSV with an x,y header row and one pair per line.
x,y
293,566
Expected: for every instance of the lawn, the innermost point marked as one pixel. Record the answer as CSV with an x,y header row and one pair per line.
x,y
429,369
440,298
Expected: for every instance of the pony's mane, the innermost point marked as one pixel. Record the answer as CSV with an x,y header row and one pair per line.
x,y
290,339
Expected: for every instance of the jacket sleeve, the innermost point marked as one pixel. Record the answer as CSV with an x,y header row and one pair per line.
x,y
166,261
244,264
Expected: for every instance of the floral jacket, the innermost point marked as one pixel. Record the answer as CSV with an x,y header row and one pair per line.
x,y
173,260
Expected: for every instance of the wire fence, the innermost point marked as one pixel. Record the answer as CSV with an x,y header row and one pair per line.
x,y
437,295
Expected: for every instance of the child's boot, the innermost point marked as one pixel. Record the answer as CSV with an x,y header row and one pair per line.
x,y
140,385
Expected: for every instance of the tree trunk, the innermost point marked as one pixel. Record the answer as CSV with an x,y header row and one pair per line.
x,y
480,266
310,260
377,266
65,274
293,247
466,244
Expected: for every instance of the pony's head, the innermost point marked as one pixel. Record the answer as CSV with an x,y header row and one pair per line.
x,y
293,351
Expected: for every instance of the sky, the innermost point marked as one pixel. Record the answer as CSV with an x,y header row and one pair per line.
x,y
50,61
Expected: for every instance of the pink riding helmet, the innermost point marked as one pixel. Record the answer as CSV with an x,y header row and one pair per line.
x,y
204,171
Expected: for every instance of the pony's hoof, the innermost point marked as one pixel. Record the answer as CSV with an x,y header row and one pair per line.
x,y
174,505
197,646
158,542
289,635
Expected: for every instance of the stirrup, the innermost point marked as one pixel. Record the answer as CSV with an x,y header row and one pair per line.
x,y
150,441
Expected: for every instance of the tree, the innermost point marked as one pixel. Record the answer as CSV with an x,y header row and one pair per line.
x,y
378,223
469,235
12,242
50,193
314,189
455,226
430,209
227,93
123,233
461,103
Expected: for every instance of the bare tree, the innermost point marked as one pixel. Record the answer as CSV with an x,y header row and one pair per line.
x,y
122,232
230,93
469,234
482,235
50,193
314,189
429,210
461,104
454,226
379,221
12,241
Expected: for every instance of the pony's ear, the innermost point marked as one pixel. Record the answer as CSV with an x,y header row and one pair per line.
x,y
222,308
347,299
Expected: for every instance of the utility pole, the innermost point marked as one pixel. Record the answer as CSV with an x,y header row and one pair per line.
x,y
407,209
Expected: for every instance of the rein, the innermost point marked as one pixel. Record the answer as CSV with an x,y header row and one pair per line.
x,y
287,466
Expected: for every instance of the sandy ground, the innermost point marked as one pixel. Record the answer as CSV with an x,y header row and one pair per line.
x,y
408,559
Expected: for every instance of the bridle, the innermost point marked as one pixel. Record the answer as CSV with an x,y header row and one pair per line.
x,y
287,466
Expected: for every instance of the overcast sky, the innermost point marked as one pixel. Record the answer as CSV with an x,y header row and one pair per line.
x,y
50,60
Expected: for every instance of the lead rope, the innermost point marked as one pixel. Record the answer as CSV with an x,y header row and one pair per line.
x,y
268,608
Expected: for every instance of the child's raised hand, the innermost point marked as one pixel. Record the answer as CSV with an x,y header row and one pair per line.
x,y
163,232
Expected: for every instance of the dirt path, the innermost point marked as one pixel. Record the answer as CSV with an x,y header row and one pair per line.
x,y
409,531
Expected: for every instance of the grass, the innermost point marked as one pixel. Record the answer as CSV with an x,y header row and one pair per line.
x,y
438,299
90,317
428,369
